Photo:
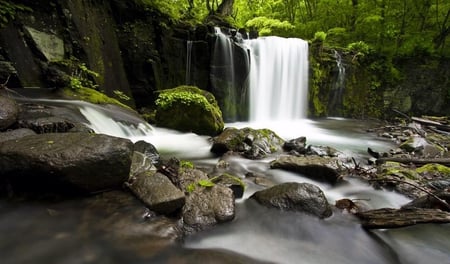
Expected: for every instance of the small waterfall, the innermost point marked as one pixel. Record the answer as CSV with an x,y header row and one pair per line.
x,y
278,78
188,61
338,87
229,66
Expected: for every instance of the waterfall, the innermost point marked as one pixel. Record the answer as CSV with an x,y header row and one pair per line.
x,y
229,73
188,61
278,78
338,87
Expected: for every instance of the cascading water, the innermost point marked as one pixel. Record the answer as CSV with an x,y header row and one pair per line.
x,y
278,78
228,75
338,87
188,61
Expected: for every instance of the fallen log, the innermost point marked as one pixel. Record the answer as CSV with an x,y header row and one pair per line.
x,y
431,123
416,161
395,218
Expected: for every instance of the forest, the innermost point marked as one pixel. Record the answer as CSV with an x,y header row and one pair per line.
x,y
401,28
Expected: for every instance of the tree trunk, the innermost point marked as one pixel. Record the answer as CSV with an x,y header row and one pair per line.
x,y
225,8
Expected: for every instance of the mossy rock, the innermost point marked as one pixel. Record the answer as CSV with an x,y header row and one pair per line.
x,y
92,96
435,170
189,109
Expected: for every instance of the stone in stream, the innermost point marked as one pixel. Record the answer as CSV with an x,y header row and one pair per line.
x,y
157,192
16,134
63,162
293,196
317,168
9,112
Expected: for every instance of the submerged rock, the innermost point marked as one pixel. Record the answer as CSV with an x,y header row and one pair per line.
x,y
65,161
9,112
293,196
251,143
314,167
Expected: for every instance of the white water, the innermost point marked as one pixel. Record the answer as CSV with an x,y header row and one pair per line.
x,y
188,61
278,78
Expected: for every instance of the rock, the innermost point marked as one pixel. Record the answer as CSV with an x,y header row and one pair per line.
x,y
66,161
189,109
190,176
321,151
251,143
293,196
51,124
208,206
413,144
16,134
140,163
298,145
232,182
314,167
430,201
9,112
157,192
51,46
148,150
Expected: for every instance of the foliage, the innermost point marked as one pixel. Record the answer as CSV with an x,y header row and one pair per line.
x,y
359,47
319,36
8,11
269,26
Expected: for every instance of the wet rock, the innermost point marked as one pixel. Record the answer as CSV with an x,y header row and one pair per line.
x,y
51,124
16,134
439,200
413,144
157,192
9,112
321,151
140,163
293,196
148,150
66,161
259,179
250,143
314,167
189,176
208,206
232,182
298,145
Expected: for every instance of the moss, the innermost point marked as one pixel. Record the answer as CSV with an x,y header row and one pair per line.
x,y
229,178
435,169
396,169
188,108
92,96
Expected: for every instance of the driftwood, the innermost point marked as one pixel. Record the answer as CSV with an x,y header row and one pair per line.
x,y
431,123
394,218
416,161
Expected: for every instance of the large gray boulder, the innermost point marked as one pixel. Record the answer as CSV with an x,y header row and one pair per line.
x,y
73,161
251,143
322,169
157,192
9,112
293,196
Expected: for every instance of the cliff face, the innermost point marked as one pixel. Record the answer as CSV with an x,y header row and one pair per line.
x,y
134,50
138,51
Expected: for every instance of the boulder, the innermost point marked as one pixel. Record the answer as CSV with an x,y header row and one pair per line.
x,y
9,112
293,196
156,191
50,124
189,109
148,150
61,162
208,206
140,163
297,145
251,143
317,168
232,182
16,134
